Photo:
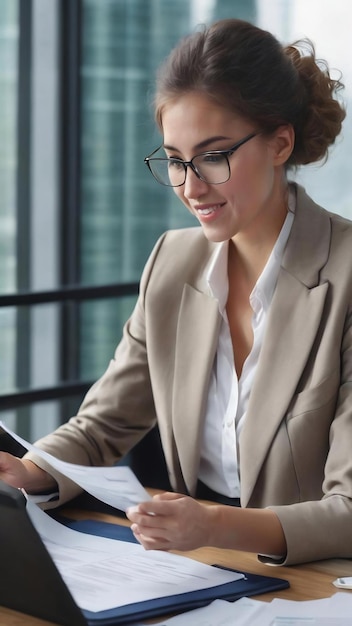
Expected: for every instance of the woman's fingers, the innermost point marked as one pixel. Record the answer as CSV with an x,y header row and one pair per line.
x,y
168,495
170,521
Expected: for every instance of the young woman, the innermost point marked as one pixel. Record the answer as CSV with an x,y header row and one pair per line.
x,y
240,345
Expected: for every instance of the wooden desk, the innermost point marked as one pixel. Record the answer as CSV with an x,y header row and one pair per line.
x,y
307,582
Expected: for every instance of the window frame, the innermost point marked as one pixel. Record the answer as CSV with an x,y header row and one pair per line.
x,y
69,295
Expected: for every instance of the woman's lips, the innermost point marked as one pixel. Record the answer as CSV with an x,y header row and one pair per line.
x,y
208,210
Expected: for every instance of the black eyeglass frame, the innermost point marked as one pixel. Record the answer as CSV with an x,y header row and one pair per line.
x,y
225,153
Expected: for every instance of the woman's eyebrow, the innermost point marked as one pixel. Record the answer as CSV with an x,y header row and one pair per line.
x,y
201,145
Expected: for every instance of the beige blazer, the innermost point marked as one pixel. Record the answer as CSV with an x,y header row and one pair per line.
x,y
296,443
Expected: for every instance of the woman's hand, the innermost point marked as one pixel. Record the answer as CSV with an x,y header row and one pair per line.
x,y
172,521
24,474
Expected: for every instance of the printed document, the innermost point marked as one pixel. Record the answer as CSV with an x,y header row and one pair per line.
x,y
105,573
117,486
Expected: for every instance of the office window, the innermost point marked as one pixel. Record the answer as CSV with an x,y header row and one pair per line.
x,y
9,38
30,169
78,207
8,139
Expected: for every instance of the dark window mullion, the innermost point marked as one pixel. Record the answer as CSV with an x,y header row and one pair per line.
x,y
71,172
23,334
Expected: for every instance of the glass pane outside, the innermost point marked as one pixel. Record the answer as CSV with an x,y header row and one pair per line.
x,y
8,164
105,319
37,427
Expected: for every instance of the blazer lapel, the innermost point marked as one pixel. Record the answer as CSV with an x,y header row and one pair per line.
x,y
196,344
293,322
291,330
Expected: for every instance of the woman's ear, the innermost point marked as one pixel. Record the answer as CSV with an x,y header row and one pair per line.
x,y
283,142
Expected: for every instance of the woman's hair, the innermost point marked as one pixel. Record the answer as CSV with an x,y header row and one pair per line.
x,y
246,69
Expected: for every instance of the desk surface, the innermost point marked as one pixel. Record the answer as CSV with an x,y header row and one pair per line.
x,y
307,582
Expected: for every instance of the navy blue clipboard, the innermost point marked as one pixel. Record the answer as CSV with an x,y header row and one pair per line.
x,y
251,584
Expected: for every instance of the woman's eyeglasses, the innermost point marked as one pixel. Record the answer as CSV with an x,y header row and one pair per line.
x,y
212,167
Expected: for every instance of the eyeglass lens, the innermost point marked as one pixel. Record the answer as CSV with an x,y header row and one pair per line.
x,y
212,168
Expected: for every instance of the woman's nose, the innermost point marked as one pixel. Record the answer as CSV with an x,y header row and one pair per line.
x,y
194,186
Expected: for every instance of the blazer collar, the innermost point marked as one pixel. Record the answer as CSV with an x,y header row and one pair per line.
x,y
307,249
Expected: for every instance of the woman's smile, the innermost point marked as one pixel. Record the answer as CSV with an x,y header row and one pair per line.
x,y
208,212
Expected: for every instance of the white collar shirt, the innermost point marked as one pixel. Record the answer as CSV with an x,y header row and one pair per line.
x,y
228,396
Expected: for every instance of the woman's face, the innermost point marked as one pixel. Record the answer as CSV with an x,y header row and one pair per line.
x,y
253,196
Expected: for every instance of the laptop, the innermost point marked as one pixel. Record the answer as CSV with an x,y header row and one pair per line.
x,y
29,580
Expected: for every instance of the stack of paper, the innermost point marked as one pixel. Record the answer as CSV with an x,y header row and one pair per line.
x,y
333,611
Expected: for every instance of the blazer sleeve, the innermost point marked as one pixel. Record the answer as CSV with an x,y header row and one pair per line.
x,y
321,529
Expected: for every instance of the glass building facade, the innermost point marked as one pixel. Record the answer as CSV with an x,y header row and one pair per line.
x,y
9,40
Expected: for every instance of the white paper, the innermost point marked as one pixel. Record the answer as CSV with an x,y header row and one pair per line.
x,y
219,613
338,605
311,621
333,611
303,609
106,573
117,486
